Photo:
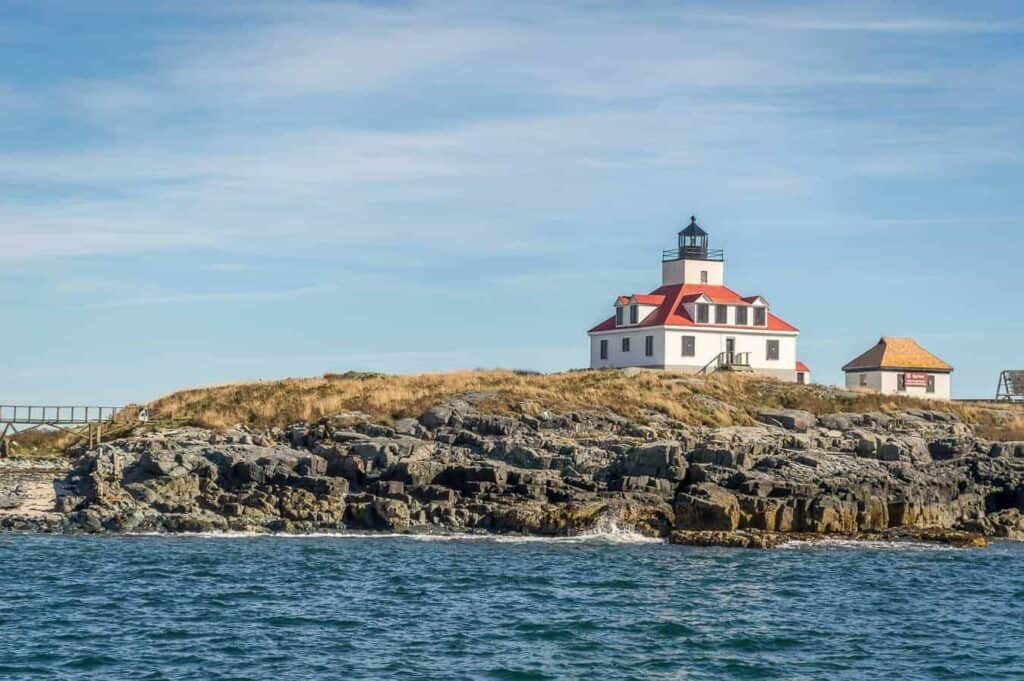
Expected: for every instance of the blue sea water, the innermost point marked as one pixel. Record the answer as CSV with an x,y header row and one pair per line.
x,y
593,608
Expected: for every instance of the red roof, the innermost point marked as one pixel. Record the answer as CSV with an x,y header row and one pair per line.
x,y
800,366
643,299
671,311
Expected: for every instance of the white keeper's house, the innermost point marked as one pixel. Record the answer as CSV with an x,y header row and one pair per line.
x,y
696,324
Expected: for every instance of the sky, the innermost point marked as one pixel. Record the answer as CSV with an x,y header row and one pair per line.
x,y
196,192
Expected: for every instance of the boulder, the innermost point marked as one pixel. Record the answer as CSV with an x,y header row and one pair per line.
x,y
410,427
715,456
437,417
393,513
645,484
707,506
790,419
664,459
1006,449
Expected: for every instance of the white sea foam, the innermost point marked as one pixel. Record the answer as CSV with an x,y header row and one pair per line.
x,y
606,531
864,544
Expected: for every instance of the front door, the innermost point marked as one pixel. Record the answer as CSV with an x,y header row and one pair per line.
x,y
730,351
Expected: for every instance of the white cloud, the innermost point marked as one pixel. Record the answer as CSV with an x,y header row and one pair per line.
x,y
869,20
227,267
220,297
244,139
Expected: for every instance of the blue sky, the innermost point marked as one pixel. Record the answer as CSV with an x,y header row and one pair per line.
x,y
197,192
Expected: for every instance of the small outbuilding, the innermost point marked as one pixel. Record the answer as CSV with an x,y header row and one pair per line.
x,y
899,366
803,373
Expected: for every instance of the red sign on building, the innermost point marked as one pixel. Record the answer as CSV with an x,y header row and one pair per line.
x,y
915,379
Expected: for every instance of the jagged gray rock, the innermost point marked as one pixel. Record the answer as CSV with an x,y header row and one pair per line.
x,y
460,470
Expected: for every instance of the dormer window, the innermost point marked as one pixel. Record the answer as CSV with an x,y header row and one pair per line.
x,y
620,316
741,315
702,313
634,314
721,314
760,316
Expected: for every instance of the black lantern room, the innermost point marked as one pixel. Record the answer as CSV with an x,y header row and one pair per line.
x,y
693,241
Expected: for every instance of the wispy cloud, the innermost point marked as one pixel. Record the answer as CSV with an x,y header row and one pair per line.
x,y
227,267
221,297
864,22
342,126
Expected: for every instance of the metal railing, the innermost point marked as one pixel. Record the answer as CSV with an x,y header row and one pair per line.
x,y
52,415
726,360
690,253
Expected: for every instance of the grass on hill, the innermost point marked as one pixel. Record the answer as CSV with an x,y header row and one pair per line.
x,y
717,400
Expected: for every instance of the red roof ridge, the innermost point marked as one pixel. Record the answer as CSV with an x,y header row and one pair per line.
x,y
670,310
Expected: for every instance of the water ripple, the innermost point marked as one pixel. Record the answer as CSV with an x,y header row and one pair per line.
x,y
358,607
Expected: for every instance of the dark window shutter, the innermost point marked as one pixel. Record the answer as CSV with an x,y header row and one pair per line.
x,y
625,344
649,346
721,314
634,314
618,316
741,314
604,349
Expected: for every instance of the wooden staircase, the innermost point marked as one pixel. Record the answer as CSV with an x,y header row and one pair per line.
x,y
728,361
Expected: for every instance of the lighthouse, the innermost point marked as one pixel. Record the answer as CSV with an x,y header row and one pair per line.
x,y
694,323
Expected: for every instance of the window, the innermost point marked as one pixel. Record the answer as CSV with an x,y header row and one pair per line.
x,y
703,276
604,349
741,315
625,345
634,314
931,384
760,316
649,346
619,316
801,378
901,382
721,314
863,380
689,346
773,349
702,313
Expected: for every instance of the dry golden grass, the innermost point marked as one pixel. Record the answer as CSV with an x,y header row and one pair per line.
x,y
718,400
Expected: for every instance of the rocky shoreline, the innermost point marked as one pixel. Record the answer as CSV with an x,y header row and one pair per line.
x,y
919,474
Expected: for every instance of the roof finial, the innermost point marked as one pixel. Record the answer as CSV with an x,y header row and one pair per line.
x,y
693,219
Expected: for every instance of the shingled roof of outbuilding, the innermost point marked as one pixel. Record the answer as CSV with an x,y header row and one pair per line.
x,y
897,353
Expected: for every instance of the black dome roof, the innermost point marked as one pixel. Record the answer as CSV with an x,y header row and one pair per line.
x,y
693,229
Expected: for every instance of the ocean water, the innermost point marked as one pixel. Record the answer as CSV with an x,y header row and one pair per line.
x,y
607,606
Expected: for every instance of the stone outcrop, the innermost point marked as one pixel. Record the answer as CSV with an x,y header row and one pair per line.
x,y
457,469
